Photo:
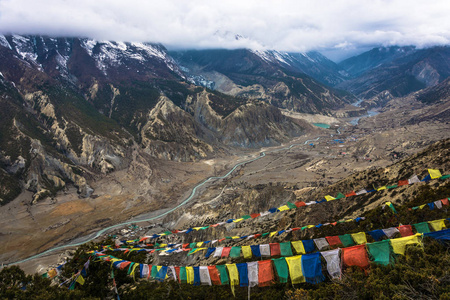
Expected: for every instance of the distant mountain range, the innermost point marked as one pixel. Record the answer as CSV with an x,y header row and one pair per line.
x,y
74,107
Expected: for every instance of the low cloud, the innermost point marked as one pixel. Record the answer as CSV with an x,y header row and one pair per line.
x,y
297,25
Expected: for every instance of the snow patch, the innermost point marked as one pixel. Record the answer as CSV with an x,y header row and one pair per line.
x,y
88,45
4,42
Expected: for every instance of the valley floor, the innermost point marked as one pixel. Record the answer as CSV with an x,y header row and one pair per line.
x,y
151,186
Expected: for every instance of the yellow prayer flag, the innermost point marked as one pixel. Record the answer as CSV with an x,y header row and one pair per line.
x,y
80,279
298,247
349,220
359,238
311,226
247,251
399,245
189,275
283,208
133,270
197,228
434,173
422,206
295,269
437,225
52,273
234,274
237,220
235,237
196,250
381,188
199,244
329,198
273,233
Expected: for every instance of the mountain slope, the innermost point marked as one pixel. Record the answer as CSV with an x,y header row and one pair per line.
x,y
400,72
74,109
270,76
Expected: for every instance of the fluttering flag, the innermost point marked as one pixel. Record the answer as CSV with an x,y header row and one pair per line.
x,y
399,245
205,278
252,268
333,241
422,227
321,243
333,262
312,268
214,275
355,256
437,224
359,238
298,247
281,268
377,235
80,279
295,269
347,240
224,279
243,274
381,252
391,206
275,249
329,198
285,249
405,230
265,273
434,173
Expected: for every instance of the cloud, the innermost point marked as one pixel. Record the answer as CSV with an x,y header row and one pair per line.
x,y
289,25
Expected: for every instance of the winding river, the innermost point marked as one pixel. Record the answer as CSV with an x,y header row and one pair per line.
x,y
97,234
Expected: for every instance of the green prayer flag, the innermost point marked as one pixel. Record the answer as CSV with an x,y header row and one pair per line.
x,y
203,228
167,232
304,227
291,205
285,249
265,234
130,268
347,240
192,245
422,227
192,251
415,207
235,252
282,269
392,186
246,217
183,275
228,237
112,274
223,274
154,272
381,252
340,196
445,176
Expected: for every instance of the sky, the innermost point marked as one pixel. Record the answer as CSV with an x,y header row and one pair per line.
x,y
337,28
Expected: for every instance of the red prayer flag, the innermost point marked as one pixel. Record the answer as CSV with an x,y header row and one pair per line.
x,y
300,203
352,193
125,264
355,256
403,182
444,201
185,245
405,230
214,274
177,271
275,249
265,272
255,215
296,228
221,240
257,235
215,225
333,240
226,251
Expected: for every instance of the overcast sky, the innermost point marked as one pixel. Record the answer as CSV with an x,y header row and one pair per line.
x,y
335,27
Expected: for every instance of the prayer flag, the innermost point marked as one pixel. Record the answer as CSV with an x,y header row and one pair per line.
x,y
434,173
359,238
405,230
275,249
422,227
377,235
265,273
312,268
214,275
295,269
347,240
333,262
281,268
223,274
380,252
285,249
355,256
333,240
234,274
437,224
205,279
252,268
243,274
298,247
255,250
321,243
399,245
